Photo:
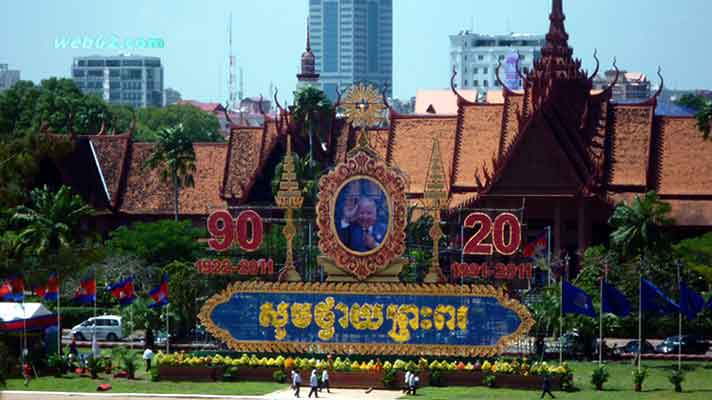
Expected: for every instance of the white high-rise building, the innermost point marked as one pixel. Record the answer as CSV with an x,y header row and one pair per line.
x,y
123,79
352,41
8,77
475,57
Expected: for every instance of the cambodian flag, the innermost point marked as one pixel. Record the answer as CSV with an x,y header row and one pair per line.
x,y
159,294
13,289
123,291
51,291
537,247
86,293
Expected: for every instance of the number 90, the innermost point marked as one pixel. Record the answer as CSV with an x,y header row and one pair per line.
x,y
224,230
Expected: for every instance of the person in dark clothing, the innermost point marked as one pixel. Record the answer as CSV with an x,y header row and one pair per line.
x,y
546,387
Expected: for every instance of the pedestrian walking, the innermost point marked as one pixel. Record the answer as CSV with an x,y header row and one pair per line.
x,y
296,382
147,357
313,384
325,381
413,383
406,381
546,387
27,373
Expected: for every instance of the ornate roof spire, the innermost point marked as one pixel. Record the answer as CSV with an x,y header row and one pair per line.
x,y
308,72
308,41
557,35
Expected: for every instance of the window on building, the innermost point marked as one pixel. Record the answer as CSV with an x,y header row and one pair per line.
x,y
522,58
465,83
501,58
480,57
465,69
95,63
372,40
485,70
114,73
331,37
496,84
475,83
113,63
81,63
475,70
485,83
465,57
95,73
78,72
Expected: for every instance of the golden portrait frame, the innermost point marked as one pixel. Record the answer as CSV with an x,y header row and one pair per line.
x,y
361,164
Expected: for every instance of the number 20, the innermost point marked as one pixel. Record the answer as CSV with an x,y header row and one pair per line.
x,y
505,247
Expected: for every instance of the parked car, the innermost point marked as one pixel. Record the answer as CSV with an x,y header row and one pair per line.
x,y
573,344
691,344
632,347
106,327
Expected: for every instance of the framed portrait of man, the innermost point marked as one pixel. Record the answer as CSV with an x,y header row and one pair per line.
x,y
361,215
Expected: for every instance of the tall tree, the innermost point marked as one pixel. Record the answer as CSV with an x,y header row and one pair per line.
x,y
200,126
311,106
637,227
48,227
703,108
175,156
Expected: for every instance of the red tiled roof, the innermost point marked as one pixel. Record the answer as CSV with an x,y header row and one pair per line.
x,y
479,141
632,128
111,154
146,193
412,142
207,107
685,167
443,101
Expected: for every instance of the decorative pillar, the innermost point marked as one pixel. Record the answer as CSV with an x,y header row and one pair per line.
x,y
289,197
435,198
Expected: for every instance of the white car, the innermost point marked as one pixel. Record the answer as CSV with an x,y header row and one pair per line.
x,y
106,327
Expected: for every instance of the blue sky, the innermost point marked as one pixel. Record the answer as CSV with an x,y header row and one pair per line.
x,y
269,37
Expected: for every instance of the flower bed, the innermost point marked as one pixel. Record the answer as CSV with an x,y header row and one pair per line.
x,y
198,373
344,373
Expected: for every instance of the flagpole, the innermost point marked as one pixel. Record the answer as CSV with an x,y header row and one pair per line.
x,y
600,318
59,318
168,335
548,251
640,313
679,320
561,307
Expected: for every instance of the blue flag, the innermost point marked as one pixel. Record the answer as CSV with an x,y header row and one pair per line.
x,y
614,301
691,303
576,301
654,300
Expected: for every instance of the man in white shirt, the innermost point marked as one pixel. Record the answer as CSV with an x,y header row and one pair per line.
x,y
406,382
325,381
296,381
147,357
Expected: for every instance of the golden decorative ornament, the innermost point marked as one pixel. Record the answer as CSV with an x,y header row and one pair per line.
x,y
363,106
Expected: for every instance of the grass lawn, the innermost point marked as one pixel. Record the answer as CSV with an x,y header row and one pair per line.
x,y
72,383
697,385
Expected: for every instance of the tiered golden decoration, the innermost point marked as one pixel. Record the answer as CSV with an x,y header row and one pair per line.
x,y
435,198
289,197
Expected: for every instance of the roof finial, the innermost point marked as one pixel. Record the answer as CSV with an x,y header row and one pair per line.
x,y
308,39
557,35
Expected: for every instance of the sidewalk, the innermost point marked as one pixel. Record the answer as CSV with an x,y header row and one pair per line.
x,y
337,394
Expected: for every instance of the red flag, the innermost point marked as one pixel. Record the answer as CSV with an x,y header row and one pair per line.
x,y
5,289
536,247
86,293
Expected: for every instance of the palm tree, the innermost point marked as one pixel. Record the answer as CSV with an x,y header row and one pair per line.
x,y
637,227
175,155
310,104
704,119
48,224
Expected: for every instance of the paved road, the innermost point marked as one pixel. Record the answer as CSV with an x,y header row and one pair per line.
x,y
337,394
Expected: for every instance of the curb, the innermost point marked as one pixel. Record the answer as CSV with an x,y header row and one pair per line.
x,y
130,395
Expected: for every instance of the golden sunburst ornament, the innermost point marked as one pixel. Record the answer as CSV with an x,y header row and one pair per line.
x,y
362,106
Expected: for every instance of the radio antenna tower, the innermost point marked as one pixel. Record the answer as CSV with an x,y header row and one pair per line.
x,y
232,89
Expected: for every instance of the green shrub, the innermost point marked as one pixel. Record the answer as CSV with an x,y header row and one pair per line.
x,y
676,378
155,375
639,378
94,366
389,377
279,376
489,380
599,377
436,378
57,363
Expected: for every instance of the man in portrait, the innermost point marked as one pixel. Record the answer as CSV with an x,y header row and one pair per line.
x,y
359,228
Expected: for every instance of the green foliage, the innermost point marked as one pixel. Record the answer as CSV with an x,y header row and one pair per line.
x,y
94,365
436,378
311,108
676,378
599,376
174,155
637,227
186,287
489,380
697,254
639,376
121,117
158,243
703,108
279,376
5,362
200,126
389,377
155,375
57,363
